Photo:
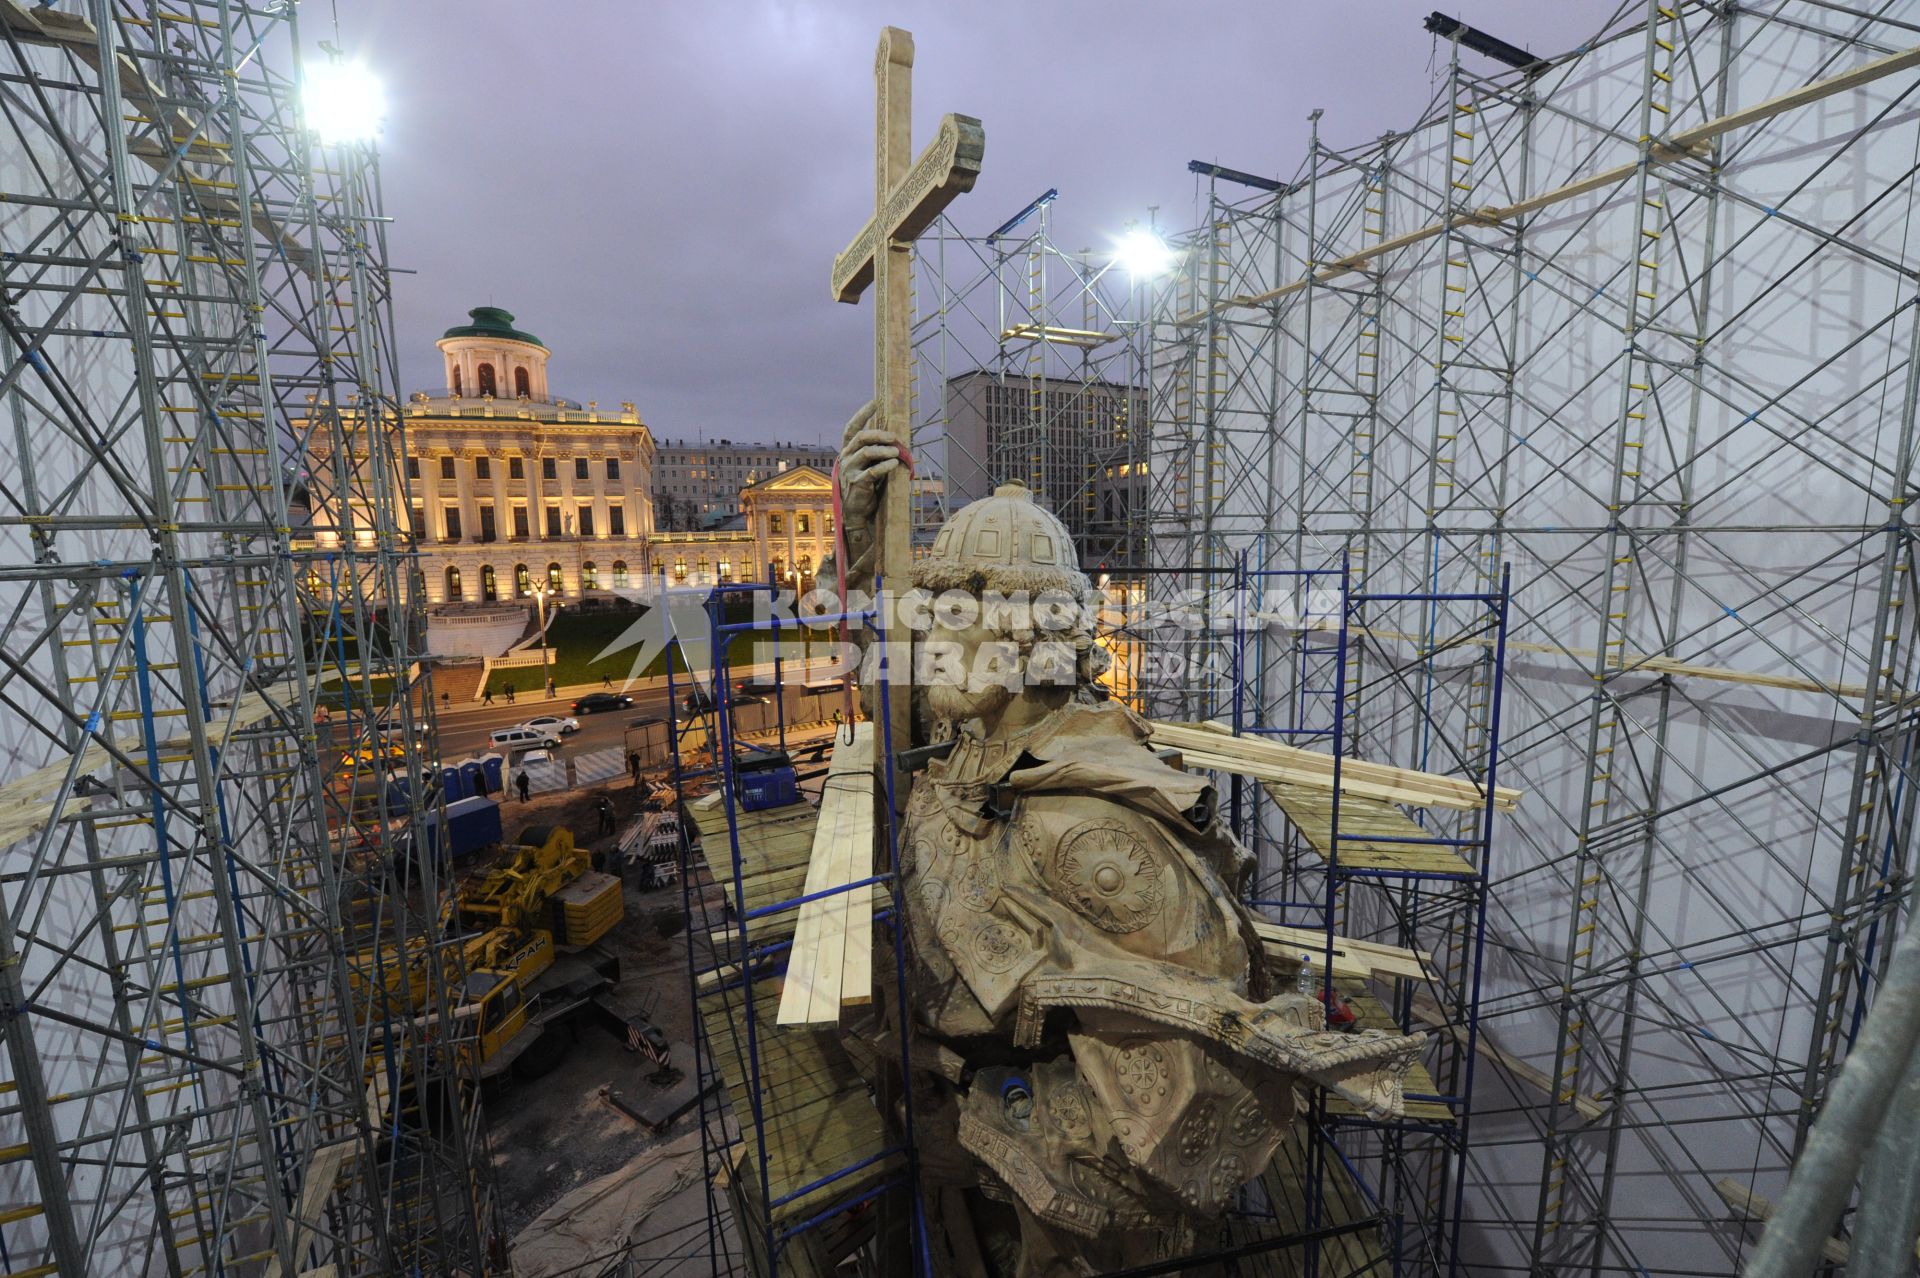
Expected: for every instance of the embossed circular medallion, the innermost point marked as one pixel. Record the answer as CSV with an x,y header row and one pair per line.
x,y
1143,1071
1229,1173
1247,1124
998,946
977,885
1109,875
1067,1108
1198,1131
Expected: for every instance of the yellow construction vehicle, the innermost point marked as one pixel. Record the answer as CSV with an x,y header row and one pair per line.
x,y
545,882
519,997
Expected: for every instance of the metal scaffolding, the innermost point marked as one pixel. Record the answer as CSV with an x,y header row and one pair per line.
x,y
1639,320
1030,367
225,1002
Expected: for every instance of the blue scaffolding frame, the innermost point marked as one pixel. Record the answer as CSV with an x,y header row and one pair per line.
x,y
1427,897
737,964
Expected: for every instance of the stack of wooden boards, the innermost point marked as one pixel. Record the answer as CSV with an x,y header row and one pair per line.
x,y
1213,745
832,959
1373,834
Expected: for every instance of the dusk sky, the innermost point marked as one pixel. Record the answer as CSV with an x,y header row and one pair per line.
x,y
657,190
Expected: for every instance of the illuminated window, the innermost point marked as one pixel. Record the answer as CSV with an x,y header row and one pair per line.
x,y
619,574
522,581
454,592
680,568
726,570
488,587
802,525
589,577
554,579
774,525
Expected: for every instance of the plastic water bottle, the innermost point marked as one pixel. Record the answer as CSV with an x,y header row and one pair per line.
x,y
1307,983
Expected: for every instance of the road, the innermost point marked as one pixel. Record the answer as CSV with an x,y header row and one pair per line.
x,y
464,729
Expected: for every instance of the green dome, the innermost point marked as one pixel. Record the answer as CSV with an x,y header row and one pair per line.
x,y
491,321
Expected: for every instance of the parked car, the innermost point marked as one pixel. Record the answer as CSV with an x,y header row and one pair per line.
x,y
559,723
522,738
595,702
532,757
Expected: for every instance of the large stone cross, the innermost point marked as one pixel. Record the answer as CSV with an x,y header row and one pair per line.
x,y
906,200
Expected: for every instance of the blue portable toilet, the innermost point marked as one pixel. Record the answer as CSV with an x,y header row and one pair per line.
x,y
450,787
473,781
399,790
494,769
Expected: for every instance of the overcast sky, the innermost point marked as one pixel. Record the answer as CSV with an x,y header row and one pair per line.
x,y
657,189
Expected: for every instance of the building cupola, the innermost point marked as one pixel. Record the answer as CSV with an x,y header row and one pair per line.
x,y
490,357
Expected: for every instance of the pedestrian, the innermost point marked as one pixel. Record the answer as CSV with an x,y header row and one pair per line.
x,y
633,765
509,692
486,698
524,785
606,815
606,680
550,691
446,701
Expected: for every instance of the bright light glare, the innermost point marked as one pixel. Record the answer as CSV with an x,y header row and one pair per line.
x,y
1142,254
343,101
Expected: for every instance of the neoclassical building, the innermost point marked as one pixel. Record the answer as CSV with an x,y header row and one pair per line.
x,y
783,531
510,487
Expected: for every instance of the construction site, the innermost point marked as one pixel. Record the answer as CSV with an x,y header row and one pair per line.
x,y
1496,537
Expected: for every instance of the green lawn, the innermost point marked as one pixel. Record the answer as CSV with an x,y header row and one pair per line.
x,y
335,695
575,639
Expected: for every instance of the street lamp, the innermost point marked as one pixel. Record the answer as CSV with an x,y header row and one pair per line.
x,y
540,594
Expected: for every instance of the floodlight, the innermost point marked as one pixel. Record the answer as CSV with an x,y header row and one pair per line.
x,y
1142,254
343,102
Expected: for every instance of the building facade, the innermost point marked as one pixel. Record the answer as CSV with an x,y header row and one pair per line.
x,y
510,487
783,531
697,484
1082,446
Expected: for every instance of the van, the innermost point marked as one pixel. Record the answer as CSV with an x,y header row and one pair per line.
x,y
522,739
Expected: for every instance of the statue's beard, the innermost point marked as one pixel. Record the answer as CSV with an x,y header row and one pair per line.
x,y
953,702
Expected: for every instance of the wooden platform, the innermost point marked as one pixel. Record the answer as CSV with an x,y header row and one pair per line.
x,y
1374,1015
1355,1255
1384,828
815,1113
775,845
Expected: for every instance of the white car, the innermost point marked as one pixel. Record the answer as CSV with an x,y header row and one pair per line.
x,y
552,723
532,757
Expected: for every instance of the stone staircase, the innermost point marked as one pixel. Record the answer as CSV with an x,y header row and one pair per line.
x,y
460,680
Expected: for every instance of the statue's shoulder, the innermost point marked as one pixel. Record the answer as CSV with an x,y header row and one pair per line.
x,y
1098,753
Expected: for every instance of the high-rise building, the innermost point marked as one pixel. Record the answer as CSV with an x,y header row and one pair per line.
x,y
698,483
1081,445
